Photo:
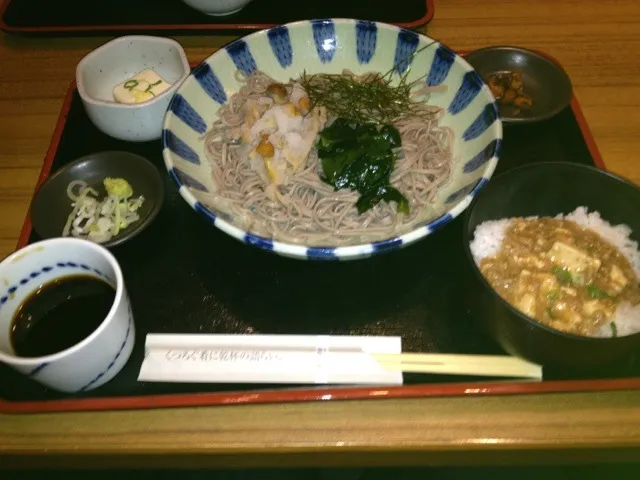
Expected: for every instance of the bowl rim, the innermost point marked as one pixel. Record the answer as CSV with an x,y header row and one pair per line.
x,y
560,106
139,226
202,9
329,252
84,95
466,241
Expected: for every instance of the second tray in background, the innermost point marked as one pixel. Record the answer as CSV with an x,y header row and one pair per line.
x,y
173,17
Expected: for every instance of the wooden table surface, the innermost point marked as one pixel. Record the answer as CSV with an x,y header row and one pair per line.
x,y
599,45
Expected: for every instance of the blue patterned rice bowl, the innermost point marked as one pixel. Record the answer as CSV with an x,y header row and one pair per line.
x,y
329,46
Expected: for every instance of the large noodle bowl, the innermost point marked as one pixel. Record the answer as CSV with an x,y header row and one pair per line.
x,y
269,178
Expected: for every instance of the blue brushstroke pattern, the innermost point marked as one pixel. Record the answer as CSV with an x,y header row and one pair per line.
x,y
483,181
405,48
366,40
182,178
440,66
280,42
387,245
324,36
210,83
473,187
185,112
198,207
471,85
38,369
321,253
177,146
486,154
115,359
242,57
438,223
258,241
486,118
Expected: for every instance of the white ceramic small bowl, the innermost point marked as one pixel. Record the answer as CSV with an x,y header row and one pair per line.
x,y
114,62
217,7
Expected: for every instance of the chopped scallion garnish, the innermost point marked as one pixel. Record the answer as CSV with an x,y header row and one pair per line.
x,y
151,85
595,292
562,274
375,100
131,84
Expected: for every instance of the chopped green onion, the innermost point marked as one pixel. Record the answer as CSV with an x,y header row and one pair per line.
x,y
552,295
131,84
100,220
595,292
377,100
562,274
151,85
614,329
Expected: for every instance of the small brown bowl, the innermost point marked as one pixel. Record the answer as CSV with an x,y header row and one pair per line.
x,y
51,206
544,80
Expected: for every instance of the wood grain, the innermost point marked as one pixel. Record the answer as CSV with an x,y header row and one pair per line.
x,y
599,45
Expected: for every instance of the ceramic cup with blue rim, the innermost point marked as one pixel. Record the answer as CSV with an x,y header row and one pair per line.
x,y
98,357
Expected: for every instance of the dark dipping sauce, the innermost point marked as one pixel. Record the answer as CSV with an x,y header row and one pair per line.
x,y
60,314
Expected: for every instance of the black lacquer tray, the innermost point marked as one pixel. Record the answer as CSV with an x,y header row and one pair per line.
x,y
173,17
185,276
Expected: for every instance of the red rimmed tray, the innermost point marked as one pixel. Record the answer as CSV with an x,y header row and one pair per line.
x,y
439,325
63,17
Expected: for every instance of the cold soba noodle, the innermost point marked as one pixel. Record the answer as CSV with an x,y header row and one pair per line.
x,y
265,163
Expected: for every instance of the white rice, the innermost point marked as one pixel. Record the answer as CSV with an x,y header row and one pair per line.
x,y
489,235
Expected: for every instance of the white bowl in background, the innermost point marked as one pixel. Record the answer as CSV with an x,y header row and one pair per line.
x,y
114,62
217,7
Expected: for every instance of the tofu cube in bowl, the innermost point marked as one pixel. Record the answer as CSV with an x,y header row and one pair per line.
x,y
126,85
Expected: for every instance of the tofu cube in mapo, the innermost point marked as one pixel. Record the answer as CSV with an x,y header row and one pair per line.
x,y
618,281
525,296
582,267
548,284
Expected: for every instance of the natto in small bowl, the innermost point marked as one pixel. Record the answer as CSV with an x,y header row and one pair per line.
x,y
51,206
543,79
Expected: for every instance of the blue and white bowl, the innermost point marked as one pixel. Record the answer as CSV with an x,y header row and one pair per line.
x,y
329,46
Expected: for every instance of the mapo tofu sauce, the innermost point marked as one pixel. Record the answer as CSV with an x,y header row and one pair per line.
x,y
562,275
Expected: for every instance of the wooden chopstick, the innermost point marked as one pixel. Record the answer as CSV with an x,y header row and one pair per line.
x,y
452,364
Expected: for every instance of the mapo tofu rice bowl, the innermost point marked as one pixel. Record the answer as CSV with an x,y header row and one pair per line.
x,y
575,273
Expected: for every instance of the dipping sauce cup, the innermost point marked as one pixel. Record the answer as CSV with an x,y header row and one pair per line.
x,y
98,357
